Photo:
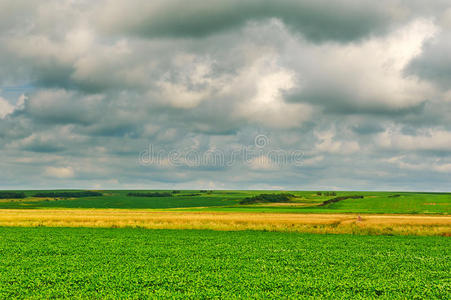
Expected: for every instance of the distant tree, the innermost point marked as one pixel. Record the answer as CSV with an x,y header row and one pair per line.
x,y
74,194
268,198
155,194
330,194
337,199
12,195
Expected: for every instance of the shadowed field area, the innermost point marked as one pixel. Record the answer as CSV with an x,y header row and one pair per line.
x,y
313,223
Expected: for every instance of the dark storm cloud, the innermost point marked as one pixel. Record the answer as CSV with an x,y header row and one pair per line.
x,y
367,128
434,63
341,20
63,107
43,148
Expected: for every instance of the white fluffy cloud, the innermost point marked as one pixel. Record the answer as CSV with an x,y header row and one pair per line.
x,y
5,108
431,139
328,143
59,172
365,76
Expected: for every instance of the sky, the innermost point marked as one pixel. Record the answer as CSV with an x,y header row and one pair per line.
x,y
256,94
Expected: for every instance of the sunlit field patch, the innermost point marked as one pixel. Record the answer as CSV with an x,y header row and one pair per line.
x,y
232,221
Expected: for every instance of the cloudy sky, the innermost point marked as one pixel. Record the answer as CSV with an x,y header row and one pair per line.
x,y
225,94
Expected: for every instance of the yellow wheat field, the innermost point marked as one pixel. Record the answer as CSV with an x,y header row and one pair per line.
x,y
313,223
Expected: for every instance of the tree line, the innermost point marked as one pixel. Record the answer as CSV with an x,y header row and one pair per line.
x,y
265,198
75,194
12,195
154,194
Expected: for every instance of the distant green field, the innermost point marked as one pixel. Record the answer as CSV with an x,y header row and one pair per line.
x,y
304,202
119,199
138,263
373,202
405,203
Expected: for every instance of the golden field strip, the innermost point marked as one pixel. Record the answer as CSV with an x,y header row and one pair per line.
x,y
312,223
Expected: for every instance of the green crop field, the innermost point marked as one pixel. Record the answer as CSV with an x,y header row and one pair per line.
x,y
120,199
303,202
410,203
139,263
49,262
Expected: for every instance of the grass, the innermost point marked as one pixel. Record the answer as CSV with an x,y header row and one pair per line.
x,y
137,263
221,210
373,202
406,203
312,223
303,202
120,199
396,249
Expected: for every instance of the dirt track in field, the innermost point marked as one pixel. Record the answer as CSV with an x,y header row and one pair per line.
x,y
314,223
